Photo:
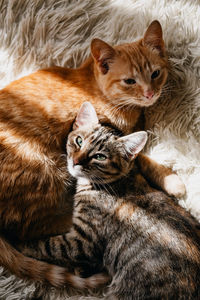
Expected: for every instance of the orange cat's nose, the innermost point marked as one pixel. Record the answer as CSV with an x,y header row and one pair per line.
x,y
149,94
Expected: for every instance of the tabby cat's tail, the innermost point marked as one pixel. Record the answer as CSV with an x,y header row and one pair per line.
x,y
29,268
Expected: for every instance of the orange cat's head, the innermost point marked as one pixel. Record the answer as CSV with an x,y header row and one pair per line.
x,y
132,74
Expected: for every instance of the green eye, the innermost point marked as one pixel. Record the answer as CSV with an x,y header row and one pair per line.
x,y
100,157
79,141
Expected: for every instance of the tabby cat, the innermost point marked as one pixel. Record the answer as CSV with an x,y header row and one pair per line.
x,y
36,115
148,244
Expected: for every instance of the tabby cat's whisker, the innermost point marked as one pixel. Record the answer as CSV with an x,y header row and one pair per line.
x,y
108,186
100,182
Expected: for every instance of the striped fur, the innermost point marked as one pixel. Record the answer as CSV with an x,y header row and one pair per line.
x,y
149,245
36,115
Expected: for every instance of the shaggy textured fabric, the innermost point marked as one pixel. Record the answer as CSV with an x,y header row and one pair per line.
x,y
40,33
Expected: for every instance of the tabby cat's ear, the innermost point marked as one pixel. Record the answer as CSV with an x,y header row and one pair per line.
x,y
134,143
102,54
86,116
153,37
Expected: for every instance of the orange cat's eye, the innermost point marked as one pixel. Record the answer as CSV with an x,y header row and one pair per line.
x,y
155,74
104,67
130,81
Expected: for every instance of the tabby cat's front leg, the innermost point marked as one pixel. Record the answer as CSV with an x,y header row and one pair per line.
x,y
161,176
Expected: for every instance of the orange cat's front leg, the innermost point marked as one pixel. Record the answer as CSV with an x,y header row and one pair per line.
x,y
161,176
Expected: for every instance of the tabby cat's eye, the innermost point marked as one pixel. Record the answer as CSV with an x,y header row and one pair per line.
x,y
100,157
155,74
130,81
79,141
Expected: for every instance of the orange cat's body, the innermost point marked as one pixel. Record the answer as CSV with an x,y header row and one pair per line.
x,y
36,115
46,103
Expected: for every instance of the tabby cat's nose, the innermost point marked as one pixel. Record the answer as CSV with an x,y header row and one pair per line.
x,y
75,161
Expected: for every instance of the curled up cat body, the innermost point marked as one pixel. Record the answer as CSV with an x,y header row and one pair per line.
x,y
36,115
148,244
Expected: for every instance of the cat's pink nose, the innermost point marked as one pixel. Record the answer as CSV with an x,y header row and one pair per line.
x,y
149,94
76,161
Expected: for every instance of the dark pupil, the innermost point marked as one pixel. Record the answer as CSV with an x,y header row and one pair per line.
x,y
129,81
105,66
79,140
155,74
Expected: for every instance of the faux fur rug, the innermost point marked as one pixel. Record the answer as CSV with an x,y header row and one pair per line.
x,y
40,33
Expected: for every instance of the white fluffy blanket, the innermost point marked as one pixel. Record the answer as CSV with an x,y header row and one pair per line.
x,y
40,33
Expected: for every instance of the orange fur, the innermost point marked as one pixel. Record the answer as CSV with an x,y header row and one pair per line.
x,y
36,115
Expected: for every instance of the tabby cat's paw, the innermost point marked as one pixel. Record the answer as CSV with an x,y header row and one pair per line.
x,y
174,186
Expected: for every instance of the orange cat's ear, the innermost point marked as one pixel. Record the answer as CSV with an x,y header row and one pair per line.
x,y
86,116
153,37
102,54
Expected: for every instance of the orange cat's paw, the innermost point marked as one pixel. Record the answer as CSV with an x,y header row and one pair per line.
x,y
174,186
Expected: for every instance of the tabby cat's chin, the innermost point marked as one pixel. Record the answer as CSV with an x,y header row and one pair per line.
x,y
75,171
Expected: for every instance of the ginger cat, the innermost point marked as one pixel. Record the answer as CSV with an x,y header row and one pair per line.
x,y
36,115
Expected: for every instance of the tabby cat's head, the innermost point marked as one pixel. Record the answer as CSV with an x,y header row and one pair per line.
x,y
132,74
97,152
